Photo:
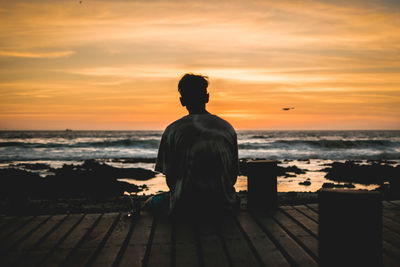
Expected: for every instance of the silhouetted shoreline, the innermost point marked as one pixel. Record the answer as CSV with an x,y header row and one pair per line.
x,y
94,185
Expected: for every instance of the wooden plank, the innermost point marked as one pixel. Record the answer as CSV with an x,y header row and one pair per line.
x,y
237,246
161,247
391,211
391,250
308,224
135,250
307,212
390,205
21,249
6,220
397,202
289,247
313,206
87,247
391,237
186,249
391,224
393,203
265,248
12,240
73,239
43,249
391,215
41,232
14,226
388,261
212,251
108,254
307,241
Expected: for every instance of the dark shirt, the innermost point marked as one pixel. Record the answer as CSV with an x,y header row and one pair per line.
x,y
199,156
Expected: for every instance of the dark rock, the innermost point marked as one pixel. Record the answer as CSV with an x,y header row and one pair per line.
x,y
350,171
32,166
15,183
134,160
328,185
281,171
332,185
289,171
294,169
306,183
104,169
381,161
88,180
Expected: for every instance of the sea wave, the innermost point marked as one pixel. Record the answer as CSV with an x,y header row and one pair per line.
x,y
322,144
248,144
143,143
78,145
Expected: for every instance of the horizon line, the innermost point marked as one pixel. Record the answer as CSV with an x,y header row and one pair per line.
x,y
77,130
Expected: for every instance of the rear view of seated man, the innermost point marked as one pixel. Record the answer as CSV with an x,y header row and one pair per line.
x,y
199,155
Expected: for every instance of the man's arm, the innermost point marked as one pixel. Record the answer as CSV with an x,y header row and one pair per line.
x,y
162,156
235,160
171,181
165,160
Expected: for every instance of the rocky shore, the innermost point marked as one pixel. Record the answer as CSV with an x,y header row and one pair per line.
x,y
95,186
91,179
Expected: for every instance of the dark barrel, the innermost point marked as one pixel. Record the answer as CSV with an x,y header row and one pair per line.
x,y
350,227
262,184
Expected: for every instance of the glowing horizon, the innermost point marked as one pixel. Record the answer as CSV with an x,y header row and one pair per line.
x,y
104,65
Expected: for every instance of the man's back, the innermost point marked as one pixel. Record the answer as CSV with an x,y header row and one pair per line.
x,y
198,154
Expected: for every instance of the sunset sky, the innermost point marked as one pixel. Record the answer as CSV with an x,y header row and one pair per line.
x,y
116,64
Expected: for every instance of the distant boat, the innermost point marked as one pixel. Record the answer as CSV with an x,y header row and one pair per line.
x,y
68,130
286,109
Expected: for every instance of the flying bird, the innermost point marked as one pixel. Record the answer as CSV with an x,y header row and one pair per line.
x,y
286,109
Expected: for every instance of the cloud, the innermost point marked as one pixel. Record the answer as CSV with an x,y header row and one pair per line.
x,y
20,54
250,75
323,56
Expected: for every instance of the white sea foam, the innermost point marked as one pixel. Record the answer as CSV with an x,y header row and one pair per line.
x,y
80,145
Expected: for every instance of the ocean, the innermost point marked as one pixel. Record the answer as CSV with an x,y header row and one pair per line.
x,y
311,150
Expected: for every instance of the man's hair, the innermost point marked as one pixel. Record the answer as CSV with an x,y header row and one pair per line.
x,y
193,88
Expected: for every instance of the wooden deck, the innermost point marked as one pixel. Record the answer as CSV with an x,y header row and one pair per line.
x,y
288,237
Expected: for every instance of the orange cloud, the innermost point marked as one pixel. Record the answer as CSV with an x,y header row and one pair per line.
x,y
36,55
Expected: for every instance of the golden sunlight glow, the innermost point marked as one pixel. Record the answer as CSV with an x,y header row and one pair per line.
x,y
116,64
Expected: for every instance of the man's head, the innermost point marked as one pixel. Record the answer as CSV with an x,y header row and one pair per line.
x,y
193,90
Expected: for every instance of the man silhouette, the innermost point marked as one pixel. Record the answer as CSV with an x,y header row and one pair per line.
x,y
199,154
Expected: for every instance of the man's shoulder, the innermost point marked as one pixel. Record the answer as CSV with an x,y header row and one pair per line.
x,y
174,127
222,121
176,124
199,122
217,124
199,119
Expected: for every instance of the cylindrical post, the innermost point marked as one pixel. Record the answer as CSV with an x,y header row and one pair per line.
x,y
394,188
350,227
262,184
